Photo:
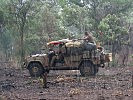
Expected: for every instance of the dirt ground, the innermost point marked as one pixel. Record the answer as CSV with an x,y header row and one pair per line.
x,y
109,84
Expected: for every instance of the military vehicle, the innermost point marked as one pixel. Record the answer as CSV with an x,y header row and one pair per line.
x,y
67,54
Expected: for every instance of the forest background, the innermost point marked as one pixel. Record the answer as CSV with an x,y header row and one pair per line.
x,y
27,25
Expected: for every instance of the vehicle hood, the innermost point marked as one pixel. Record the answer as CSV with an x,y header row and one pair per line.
x,y
38,55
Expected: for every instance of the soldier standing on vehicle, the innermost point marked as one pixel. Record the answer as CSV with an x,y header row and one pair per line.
x,y
88,37
89,42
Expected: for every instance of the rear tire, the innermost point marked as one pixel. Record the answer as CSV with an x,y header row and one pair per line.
x,y
35,69
87,68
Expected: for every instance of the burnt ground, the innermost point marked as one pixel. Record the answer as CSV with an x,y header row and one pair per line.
x,y
109,84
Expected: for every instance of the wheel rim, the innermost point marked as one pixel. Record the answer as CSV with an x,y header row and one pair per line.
x,y
35,69
87,70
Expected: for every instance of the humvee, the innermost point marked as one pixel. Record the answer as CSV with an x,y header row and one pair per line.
x,y
67,55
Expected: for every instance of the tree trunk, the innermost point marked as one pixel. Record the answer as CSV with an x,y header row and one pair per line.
x,y
22,39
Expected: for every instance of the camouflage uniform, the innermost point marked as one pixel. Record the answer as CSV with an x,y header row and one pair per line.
x,y
89,42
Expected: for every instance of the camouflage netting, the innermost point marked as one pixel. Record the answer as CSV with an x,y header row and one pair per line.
x,y
77,48
74,48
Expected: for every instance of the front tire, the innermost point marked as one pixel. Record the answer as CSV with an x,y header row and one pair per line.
x,y
87,68
35,69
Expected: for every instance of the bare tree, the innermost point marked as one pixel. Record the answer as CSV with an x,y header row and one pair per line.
x,y
22,8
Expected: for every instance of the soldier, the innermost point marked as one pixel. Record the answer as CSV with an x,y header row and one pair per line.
x,y
88,38
89,42
51,54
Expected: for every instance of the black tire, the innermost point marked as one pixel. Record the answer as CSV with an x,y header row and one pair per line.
x,y
35,69
87,68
